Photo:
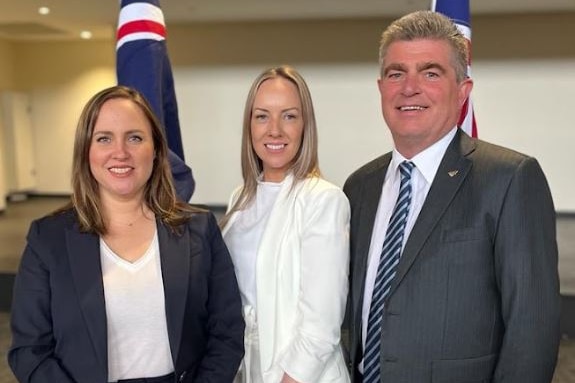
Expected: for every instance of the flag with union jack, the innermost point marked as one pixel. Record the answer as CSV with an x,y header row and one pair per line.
x,y
458,11
142,63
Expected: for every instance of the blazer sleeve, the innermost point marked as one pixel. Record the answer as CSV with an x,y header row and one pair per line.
x,y
526,271
31,356
323,285
225,325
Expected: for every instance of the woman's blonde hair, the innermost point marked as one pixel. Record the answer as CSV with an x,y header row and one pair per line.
x,y
306,162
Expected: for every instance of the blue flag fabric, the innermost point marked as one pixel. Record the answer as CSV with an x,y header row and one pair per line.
x,y
459,12
142,62
456,10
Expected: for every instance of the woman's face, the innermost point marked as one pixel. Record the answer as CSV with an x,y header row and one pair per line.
x,y
121,150
276,127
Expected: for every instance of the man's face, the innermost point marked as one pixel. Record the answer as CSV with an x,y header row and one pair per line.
x,y
420,96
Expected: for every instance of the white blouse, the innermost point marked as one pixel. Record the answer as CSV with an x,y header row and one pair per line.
x,y
243,238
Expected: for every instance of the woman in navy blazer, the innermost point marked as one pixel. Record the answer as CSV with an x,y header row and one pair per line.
x,y
126,282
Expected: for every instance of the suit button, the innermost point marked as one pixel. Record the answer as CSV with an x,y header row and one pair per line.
x,y
182,376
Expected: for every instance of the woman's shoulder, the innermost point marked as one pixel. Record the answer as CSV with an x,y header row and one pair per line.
x,y
317,187
52,229
57,220
201,221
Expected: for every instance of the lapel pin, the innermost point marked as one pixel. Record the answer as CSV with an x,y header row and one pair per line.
x,y
453,173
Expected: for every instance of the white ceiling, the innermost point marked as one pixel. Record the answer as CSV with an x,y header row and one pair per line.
x,y
19,19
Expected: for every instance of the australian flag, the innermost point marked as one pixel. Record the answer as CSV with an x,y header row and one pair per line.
x,y
142,63
458,11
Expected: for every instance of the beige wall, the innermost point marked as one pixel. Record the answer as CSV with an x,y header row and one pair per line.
x,y
275,42
6,65
53,64
41,64
353,41
6,83
519,62
524,36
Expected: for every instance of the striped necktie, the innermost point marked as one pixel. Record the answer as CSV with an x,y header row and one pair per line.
x,y
386,270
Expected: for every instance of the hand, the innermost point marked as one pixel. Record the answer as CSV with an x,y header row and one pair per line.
x,y
288,379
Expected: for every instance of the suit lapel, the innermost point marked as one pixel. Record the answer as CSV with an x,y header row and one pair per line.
x,y
450,176
175,252
369,202
84,256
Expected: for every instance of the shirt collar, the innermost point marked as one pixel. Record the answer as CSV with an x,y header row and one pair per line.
x,y
428,160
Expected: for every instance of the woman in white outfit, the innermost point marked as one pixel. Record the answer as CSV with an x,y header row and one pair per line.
x,y
287,231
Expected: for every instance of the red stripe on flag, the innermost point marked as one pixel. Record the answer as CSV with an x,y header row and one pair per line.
x,y
464,110
141,26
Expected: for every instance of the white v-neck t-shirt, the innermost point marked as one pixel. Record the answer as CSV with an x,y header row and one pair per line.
x,y
138,344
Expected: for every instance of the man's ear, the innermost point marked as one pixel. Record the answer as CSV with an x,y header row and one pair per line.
x,y
465,88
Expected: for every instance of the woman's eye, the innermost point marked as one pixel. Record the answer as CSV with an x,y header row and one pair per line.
x,y
290,116
103,139
135,139
260,117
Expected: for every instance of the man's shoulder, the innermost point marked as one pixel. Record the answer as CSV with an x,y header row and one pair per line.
x,y
490,154
367,170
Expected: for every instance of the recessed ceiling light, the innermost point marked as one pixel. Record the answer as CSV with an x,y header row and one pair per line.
x,y
43,10
86,35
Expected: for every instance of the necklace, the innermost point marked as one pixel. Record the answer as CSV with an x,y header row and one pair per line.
x,y
131,222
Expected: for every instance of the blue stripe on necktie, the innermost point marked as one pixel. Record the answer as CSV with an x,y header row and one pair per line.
x,y
386,270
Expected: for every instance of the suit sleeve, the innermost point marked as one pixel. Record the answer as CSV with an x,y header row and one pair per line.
x,y
225,347
323,286
526,271
31,355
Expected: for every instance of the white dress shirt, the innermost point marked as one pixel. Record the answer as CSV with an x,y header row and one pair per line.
x,y
426,165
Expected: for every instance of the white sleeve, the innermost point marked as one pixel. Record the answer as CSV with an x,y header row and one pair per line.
x,y
323,285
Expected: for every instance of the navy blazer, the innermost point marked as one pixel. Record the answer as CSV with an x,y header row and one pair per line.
x,y
59,315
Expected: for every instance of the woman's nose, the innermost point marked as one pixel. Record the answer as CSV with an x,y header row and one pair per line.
x,y
274,127
120,150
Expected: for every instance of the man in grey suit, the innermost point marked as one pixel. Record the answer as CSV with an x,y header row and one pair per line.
x,y
466,286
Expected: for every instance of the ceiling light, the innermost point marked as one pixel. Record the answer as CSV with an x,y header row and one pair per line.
x,y
86,35
43,10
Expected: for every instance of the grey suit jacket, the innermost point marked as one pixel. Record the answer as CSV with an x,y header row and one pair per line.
x,y
476,294
59,331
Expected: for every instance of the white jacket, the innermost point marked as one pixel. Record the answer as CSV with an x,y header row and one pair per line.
x,y
302,282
